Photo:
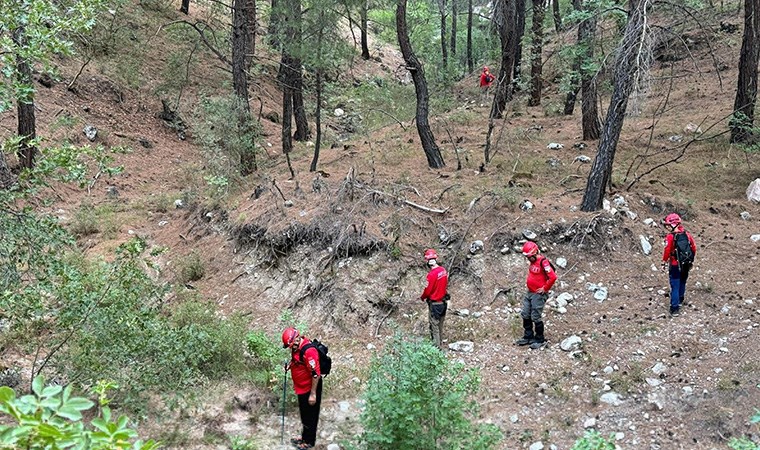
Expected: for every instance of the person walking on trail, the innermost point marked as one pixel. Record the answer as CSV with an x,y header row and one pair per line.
x,y
486,80
436,295
307,383
541,277
677,259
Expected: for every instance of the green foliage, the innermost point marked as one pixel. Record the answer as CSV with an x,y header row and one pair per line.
x,y
190,268
239,443
417,398
226,133
51,418
35,31
593,440
745,443
267,356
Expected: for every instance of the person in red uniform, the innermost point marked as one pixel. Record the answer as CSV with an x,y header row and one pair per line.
x,y
678,274
307,383
436,295
486,80
541,277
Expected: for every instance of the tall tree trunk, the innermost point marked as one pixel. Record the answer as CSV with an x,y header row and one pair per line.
x,y
6,176
27,122
536,53
240,41
444,48
276,17
363,10
470,63
504,19
285,77
292,29
185,7
432,152
626,68
454,13
299,110
252,24
318,118
586,35
557,17
519,33
575,80
746,88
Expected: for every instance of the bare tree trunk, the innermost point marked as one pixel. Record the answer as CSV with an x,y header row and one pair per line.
x,y
590,121
285,77
27,122
626,70
470,64
557,17
444,48
454,27
294,75
6,177
185,7
363,10
432,152
743,120
504,17
240,41
252,24
318,118
575,80
519,33
536,54
275,22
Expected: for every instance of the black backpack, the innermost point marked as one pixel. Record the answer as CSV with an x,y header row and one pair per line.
x,y
684,253
541,264
325,362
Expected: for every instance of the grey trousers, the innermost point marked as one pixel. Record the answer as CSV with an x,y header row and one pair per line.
x,y
437,315
533,306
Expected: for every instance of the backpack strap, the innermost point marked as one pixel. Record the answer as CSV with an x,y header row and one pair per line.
x,y
302,352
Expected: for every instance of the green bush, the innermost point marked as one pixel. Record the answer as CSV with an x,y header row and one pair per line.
x,y
593,440
744,443
417,398
51,418
267,356
190,268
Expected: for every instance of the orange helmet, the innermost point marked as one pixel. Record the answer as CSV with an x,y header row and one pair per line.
x,y
430,254
673,220
288,336
530,248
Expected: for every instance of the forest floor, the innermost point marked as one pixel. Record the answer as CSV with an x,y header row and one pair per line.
x,y
345,258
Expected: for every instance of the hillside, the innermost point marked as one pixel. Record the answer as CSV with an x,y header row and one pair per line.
x,y
341,249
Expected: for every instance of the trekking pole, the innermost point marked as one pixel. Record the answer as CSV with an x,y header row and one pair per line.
x,y
284,386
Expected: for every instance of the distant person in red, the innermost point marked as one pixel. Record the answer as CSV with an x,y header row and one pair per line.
x,y
307,382
486,80
677,259
436,295
541,278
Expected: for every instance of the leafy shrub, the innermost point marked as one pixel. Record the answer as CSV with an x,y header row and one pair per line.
x,y
593,440
190,268
266,355
404,409
51,418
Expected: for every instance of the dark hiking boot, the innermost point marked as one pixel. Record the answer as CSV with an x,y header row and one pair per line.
x,y
537,344
524,341
528,336
675,312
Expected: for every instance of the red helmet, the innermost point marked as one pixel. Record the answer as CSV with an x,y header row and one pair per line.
x,y
673,220
485,68
430,254
530,248
288,336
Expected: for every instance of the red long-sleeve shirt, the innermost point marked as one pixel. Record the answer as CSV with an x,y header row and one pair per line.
x,y
670,246
540,275
437,282
304,371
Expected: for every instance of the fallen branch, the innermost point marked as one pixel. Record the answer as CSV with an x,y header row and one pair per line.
x,y
403,200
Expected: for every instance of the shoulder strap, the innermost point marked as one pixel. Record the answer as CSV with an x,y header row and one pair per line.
x,y
306,347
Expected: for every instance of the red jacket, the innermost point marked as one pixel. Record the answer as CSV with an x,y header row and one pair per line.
x,y
486,79
670,246
437,282
541,275
304,371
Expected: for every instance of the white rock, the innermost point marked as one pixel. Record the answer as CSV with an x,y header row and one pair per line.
x,y
688,390
91,132
583,159
339,112
571,343
745,215
163,223
536,446
661,292
659,368
526,205
463,312
530,235
650,222
631,215
753,191
692,128
462,346
725,309
619,436
370,346
555,146
561,310
755,238
611,398
646,246
333,447
178,203
561,262
608,370
601,294
654,382
564,298
589,423
513,418
655,399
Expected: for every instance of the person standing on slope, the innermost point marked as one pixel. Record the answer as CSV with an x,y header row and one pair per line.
x,y
486,80
677,259
436,296
541,277
307,383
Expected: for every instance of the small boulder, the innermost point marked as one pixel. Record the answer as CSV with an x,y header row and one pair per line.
x,y
91,132
583,159
646,246
529,235
692,128
561,262
571,343
611,398
462,346
745,215
526,205
753,191
476,247
555,146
